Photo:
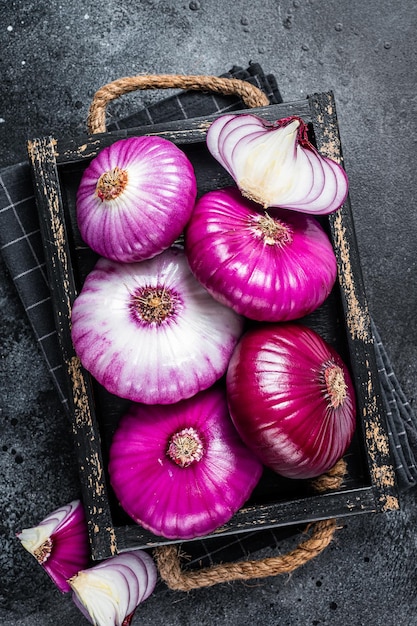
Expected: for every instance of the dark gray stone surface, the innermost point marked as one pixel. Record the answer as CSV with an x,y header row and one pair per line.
x,y
54,56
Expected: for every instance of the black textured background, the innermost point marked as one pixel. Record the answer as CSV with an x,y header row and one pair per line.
x,y
53,57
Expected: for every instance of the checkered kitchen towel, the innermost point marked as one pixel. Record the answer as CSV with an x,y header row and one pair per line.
x,y
22,250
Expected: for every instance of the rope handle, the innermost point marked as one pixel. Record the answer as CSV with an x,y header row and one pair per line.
x,y
169,558
96,122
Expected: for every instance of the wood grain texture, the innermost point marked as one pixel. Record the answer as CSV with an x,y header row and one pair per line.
x,y
63,291
358,322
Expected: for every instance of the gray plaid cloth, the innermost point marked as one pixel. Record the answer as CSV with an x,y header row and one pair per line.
x,y
22,250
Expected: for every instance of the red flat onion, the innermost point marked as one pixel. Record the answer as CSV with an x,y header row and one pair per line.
x,y
275,165
135,198
59,543
109,593
181,470
291,399
149,332
266,267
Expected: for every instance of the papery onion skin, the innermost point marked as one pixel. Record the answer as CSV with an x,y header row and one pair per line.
x,y
275,164
170,500
149,209
108,593
59,543
185,350
244,268
279,400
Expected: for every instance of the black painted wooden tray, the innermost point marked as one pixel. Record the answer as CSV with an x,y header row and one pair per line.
x,y
343,320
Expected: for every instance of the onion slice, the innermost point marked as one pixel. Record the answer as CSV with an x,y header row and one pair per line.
x,y
135,198
108,593
274,266
291,398
275,164
233,131
59,543
149,332
144,563
181,470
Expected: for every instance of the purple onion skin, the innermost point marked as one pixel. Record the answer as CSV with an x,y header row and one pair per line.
x,y
149,215
71,550
60,543
181,502
262,282
279,402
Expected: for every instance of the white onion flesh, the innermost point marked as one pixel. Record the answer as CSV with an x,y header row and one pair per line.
x,y
275,165
109,592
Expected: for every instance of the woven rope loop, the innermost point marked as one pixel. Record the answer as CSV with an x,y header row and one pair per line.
x,y
169,563
96,122
168,558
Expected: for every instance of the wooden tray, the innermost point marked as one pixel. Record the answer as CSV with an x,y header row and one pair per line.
x,y
343,320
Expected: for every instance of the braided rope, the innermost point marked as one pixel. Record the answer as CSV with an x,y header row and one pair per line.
x,y
96,121
168,558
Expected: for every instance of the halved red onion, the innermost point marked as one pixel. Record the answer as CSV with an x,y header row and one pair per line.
x,y
135,198
181,470
291,399
254,126
59,543
108,593
275,164
149,332
267,267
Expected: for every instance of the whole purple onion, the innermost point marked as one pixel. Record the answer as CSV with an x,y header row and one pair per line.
x,y
181,470
149,332
274,266
291,398
135,198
